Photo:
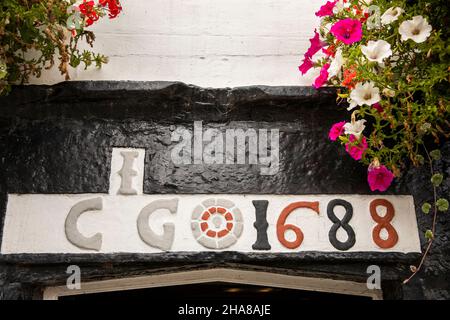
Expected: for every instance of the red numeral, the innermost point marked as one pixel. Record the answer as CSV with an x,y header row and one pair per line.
x,y
282,227
383,223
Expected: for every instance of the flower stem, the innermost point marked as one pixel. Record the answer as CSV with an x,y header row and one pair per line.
x,y
433,228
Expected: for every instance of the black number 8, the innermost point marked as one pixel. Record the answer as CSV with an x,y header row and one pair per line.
x,y
341,224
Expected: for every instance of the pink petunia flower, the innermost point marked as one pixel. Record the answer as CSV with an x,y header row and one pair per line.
x,y
326,9
347,30
306,65
379,178
323,77
336,130
316,45
377,106
356,150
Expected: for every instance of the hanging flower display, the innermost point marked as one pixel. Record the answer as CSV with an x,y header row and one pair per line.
x,y
363,51
52,31
391,67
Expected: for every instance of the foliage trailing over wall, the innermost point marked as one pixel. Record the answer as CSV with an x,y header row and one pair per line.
x,y
35,33
391,59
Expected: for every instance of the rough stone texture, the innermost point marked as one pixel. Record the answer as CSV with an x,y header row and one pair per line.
x,y
86,120
59,139
434,281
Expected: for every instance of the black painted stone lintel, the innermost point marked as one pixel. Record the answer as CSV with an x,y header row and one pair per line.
x,y
225,256
156,100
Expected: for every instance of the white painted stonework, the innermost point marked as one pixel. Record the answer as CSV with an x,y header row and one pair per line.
x,y
221,43
116,165
37,223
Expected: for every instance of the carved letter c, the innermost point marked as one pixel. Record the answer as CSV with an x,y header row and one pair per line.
x,y
71,229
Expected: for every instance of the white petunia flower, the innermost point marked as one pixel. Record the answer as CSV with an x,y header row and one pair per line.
x,y
365,93
377,50
336,64
391,15
417,29
355,127
351,104
389,92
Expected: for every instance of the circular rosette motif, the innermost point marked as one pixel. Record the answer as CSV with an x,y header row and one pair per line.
x,y
216,223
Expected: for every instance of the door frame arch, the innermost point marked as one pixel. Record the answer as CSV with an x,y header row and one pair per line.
x,y
227,275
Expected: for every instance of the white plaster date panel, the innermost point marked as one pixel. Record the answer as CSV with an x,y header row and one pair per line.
x,y
126,220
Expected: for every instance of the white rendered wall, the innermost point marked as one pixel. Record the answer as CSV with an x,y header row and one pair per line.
x,y
210,43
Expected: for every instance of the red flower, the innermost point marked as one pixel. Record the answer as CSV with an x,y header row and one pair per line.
x,y
87,9
379,178
326,9
323,77
377,106
347,30
336,130
306,65
114,7
349,78
365,17
330,50
316,45
356,150
358,10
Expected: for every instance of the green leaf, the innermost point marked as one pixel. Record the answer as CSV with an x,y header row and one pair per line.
x,y
442,204
435,154
420,159
3,70
426,207
436,179
429,234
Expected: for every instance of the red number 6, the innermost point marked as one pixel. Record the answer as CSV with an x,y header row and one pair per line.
x,y
282,227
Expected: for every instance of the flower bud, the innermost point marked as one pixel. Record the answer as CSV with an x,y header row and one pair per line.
x,y
389,92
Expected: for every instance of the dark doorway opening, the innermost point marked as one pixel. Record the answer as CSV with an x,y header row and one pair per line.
x,y
216,291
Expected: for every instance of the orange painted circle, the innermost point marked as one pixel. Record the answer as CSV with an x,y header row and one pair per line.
x,y
216,223
209,214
